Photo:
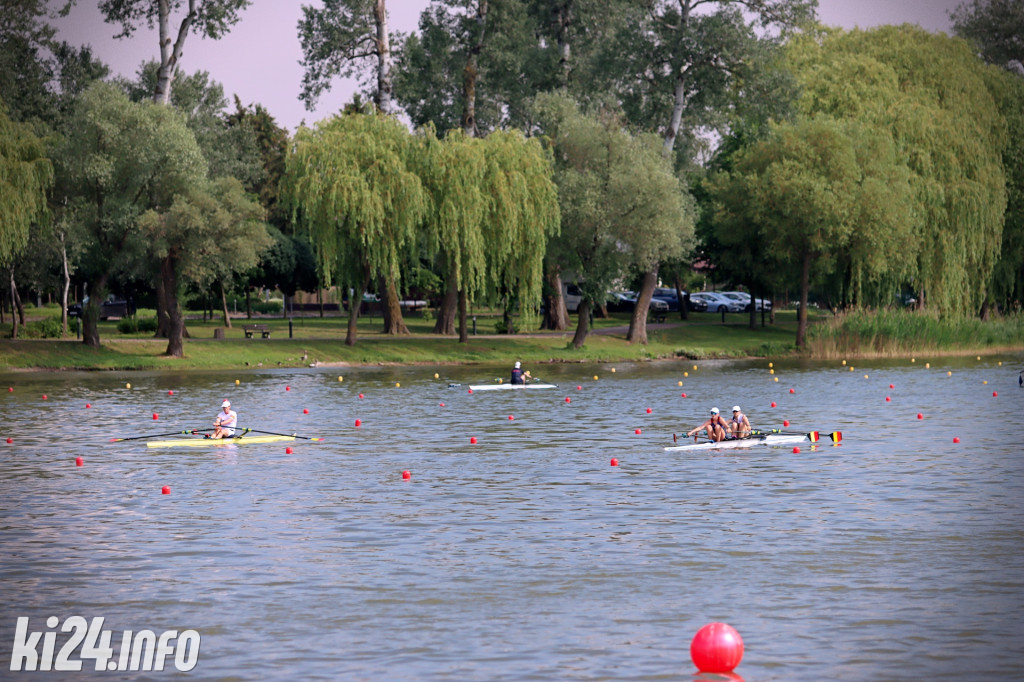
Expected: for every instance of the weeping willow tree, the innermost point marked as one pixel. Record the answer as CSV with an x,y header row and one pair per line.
x,y
25,177
348,181
928,93
521,214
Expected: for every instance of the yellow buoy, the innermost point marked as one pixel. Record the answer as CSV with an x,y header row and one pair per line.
x,y
398,385
913,360
613,370
865,376
844,363
680,383
771,364
851,368
686,374
436,375
927,365
695,368
771,371
1000,363
595,377
238,382
127,385
949,374
776,379
984,382
979,357
341,378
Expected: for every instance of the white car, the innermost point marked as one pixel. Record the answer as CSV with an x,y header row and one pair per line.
x,y
744,297
718,303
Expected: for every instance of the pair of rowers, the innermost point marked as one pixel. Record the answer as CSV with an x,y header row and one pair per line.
x,y
719,429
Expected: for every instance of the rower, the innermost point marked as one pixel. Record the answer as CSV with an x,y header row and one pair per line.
x,y
715,426
739,425
224,424
518,376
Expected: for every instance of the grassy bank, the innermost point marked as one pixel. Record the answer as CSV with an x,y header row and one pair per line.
x,y
891,333
321,340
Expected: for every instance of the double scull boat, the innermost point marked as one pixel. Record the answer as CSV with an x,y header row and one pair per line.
x,y
758,438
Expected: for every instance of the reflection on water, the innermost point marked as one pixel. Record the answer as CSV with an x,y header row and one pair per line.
x,y
895,555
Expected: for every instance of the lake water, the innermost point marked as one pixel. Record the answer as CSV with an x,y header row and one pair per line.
x,y
896,555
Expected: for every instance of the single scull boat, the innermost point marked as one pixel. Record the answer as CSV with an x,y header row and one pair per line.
x,y
237,440
509,387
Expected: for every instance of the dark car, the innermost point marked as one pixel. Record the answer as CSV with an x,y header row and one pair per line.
x,y
110,308
625,302
669,296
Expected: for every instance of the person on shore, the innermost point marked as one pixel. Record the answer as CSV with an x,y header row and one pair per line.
x,y
226,421
739,425
715,426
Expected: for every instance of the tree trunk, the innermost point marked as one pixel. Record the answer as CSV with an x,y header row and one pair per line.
x,y
582,324
984,313
638,323
354,304
801,315
170,52
463,306
384,88
14,318
684,308
470,72
16,301
563,19
91,312
175,322
392,309
224,305
320,301
449,308
67,287
556,317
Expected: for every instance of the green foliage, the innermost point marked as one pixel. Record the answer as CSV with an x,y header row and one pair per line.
x,y
25,177
48,328
26,68
134,325
994,28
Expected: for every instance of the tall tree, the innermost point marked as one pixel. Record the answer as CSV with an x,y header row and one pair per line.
x,y
208,18
124,159
348,182
26,176
620,201
26,67
343,39
209,233
995,28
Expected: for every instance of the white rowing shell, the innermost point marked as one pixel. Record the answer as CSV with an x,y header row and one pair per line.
x,y
508,387
740,443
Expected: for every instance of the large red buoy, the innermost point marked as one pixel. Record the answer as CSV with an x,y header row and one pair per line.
x,y
614,462
472,440
716,648
406,475
166,490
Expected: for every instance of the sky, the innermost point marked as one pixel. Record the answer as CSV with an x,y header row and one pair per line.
x,y
259,58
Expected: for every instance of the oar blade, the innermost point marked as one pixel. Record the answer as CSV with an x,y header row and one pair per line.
x,y
836,436
813,436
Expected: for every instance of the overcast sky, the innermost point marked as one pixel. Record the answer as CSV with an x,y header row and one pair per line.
x,y
259,59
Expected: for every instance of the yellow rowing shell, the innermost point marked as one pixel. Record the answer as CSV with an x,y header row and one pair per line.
x,y
240,440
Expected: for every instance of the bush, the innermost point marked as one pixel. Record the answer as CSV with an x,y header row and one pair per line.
x,y
41,329
134,325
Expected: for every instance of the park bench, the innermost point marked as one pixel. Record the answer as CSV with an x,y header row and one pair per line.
x,y
251,329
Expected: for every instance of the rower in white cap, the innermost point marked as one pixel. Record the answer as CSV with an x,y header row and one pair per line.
x,y
519,377
715,426
226,421
739,425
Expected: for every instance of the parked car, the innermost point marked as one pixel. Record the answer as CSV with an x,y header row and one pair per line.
x,y
718,303
669,296
744,297
572,296
625,302
110,308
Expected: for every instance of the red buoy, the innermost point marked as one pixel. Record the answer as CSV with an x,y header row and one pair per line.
x,y
568,399
305,411
360,396
79,462
359,422
10,389
287,451
10,440
166,490
994,394
510,417
785,422
920,416
44,396
888,399
287,388
155,416
796,450
716,648
792,390
955,439
472,440
648,410
637,431
470,390
773,403
892,386
579,388
442,404
615,462
682,395
406,475
87,406
170,392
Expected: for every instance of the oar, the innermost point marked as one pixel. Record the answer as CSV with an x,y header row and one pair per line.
x,y
814,436
192,432
271,433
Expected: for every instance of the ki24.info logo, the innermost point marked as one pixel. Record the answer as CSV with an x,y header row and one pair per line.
x,y
143,650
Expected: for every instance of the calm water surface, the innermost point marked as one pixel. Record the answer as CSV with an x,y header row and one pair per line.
x,y
897,555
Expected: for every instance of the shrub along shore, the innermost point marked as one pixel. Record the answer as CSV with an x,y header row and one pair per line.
x,y
304,342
